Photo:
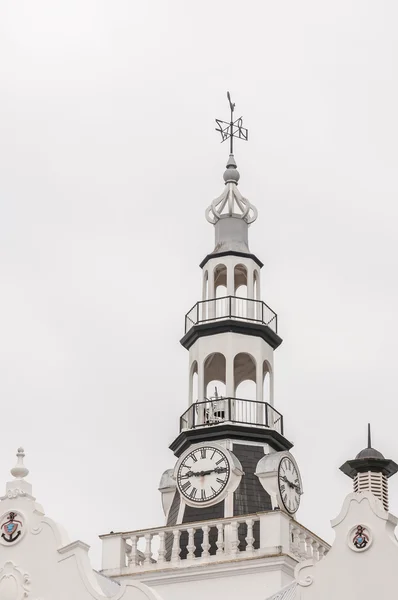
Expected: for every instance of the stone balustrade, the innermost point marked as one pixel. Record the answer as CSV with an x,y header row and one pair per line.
x,y
256,535
305,544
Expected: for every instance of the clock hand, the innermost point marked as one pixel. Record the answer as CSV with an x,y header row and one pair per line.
x,y
189,474
220,470
289,483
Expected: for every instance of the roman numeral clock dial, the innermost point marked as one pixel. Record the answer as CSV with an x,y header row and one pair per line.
x,y
203,474
289,485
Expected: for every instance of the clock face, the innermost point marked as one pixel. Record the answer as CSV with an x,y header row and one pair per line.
x,y
289,485
203,474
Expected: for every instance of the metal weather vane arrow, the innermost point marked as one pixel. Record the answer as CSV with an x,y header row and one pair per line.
x,y
233,129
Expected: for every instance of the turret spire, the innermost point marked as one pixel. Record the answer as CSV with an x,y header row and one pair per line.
x,y
231,213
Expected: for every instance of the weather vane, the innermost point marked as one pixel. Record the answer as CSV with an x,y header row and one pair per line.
x,y
233,129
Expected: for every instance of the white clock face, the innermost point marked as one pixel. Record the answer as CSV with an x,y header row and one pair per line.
x,y
289,485
203,474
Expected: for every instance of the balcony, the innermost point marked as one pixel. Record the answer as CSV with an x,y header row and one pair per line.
x,y
205,542
231,307
231,410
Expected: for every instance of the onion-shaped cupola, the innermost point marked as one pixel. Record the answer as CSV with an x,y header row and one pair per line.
x,y
370,471
231,214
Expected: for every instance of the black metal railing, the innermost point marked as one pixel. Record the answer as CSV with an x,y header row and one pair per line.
x,y
232,410
231,307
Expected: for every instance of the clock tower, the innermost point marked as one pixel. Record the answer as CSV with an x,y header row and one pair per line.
x,y
232,455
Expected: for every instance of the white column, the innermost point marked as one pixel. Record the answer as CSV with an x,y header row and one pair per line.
x,y
229,376
230,280
201,381
259,380
211,306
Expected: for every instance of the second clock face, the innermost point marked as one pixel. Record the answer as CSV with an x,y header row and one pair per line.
x,y
203,474
289,485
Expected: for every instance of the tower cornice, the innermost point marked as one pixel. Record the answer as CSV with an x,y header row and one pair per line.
x,y
231,253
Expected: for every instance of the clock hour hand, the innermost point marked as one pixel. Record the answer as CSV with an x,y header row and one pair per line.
x,y
189,474
289,483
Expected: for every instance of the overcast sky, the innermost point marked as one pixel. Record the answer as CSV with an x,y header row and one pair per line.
x,y
108,159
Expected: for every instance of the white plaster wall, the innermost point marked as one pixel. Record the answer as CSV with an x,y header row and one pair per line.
x,y
251,580
41,564
345,574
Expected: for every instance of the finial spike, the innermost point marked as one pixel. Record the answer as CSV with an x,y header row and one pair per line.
x,y
369,437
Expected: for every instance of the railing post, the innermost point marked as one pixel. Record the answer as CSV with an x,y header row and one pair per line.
x,y
193,408
262,312
230,307
162,548
191,544
234,538
266,414
249,537
220,539
148,549
282,424
175,553
205,543
229,410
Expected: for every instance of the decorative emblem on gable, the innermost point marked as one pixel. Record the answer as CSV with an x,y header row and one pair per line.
x,y
359,538
14,583
11,527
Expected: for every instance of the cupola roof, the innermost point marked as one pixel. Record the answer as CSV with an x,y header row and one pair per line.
x,y
369,459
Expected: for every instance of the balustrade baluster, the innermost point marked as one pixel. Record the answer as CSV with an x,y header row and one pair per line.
x,y
205,543
132,559
308,546
175,553
322,552
294,546
148,549
315,550
191,544
249,537
162,548
302,545
220,538
234,538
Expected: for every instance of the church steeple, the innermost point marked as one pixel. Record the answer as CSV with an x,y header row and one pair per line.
x,y
231,423
370,471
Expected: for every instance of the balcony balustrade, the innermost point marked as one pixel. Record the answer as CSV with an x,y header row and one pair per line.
x,y
256,535
232,410
231,307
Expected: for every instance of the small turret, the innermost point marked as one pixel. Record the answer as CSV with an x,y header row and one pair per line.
x,y
370,471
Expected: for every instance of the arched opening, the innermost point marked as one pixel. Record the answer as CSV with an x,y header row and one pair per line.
x,y
220,291
240,281
245,376
193,383
212,411
240,292
267,382
245,389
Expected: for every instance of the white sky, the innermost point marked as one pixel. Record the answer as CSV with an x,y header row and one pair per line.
x,y
108,159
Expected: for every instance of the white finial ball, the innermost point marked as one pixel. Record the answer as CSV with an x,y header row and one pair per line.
x,y
231,175
20,471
